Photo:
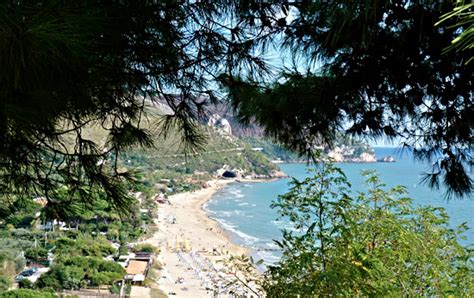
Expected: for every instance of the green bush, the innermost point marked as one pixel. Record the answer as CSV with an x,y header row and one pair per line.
x,y
51,279
115,289
5,283
20,264
123,250
36,254
25,284
112,234
28,293
145,247
72,277
84,246
20,220
373,244
77,272
104,278
11,261
26,234
14,246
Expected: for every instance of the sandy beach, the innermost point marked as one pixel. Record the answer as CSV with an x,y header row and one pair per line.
x,y
190,243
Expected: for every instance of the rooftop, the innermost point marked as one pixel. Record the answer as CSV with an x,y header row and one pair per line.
x,y
137,267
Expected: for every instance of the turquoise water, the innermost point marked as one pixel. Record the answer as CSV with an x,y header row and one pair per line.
x,y
243,208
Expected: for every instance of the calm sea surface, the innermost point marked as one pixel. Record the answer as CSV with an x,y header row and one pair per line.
x,y
243,208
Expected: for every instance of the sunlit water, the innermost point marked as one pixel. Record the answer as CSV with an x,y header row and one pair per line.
x,y
243,209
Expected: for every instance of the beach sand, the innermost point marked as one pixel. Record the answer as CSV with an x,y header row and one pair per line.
x,y
184,219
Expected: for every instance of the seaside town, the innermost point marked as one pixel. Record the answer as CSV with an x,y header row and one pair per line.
x,y
169,245
153,149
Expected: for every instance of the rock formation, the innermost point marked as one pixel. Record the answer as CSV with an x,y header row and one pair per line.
x,y
220,123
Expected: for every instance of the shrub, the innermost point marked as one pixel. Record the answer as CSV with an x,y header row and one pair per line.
x,y
11,262
104,278
36,254
76,272
20,221
14,246
145,247
25,284
112,234
84,246
50,280
27,293
371,244
5,283
123,250
20,264
115,289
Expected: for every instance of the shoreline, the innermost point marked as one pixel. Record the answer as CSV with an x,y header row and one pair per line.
x,y
218,230
218,226
186,221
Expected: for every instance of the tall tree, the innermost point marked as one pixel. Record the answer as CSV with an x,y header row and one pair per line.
x,y
69,67
463,14
371,69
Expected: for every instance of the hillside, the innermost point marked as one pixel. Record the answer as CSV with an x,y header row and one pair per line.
x,y
166,166
344,149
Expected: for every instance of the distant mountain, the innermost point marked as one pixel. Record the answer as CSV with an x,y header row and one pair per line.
x,y
222,118
345,149
167,167
353,152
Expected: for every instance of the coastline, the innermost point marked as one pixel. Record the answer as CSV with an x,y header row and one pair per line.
x,y
217,229
185,220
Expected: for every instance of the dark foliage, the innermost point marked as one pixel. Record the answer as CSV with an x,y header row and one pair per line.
x,y
374,69
72,66
79,272
69,66
373,243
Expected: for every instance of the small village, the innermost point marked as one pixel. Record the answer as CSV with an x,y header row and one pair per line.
x,y
54,239
119,259
236,149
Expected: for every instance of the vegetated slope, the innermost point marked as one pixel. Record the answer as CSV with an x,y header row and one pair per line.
x,y
166,166
345,148
350,147
221,152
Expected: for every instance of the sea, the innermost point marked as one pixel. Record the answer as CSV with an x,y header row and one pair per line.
x,y
243,209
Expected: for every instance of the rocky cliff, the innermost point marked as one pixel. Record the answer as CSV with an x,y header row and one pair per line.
x,y
355,153
220,123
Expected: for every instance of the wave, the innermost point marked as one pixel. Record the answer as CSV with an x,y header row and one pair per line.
x,y
225,224
224,213
209,211
246,238
272,245
236,193
280,223
269,257
237,212
285,225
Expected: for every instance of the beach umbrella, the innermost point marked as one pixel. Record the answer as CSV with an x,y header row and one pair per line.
x,y
187,245
178,244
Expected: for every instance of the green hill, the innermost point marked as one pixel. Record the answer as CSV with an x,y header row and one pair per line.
x,y
166,166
